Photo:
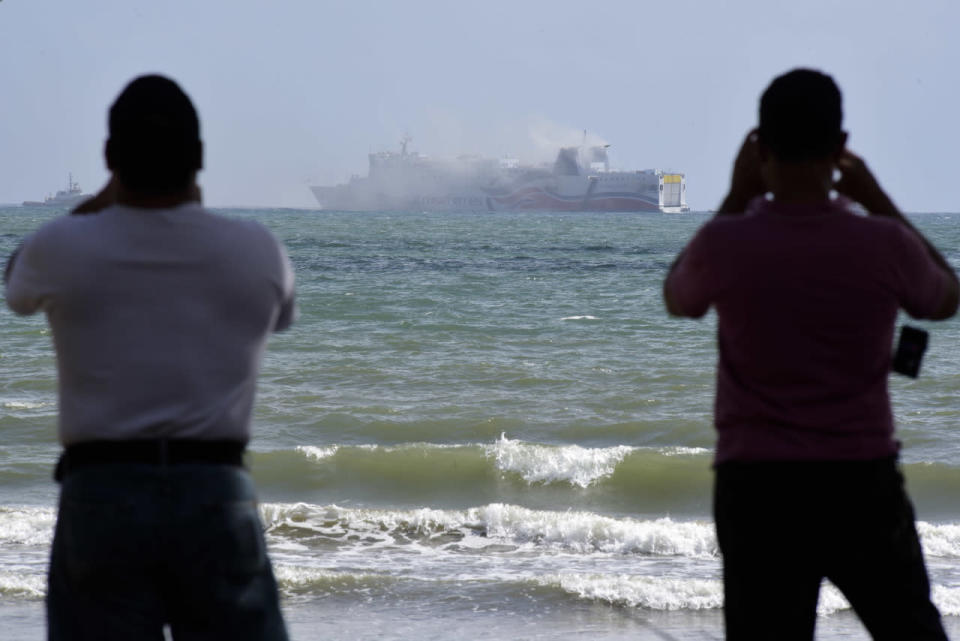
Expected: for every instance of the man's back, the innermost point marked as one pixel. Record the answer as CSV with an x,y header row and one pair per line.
x,y
159,318
806,299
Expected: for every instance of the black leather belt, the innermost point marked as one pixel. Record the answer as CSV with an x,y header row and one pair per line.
x,y
150,452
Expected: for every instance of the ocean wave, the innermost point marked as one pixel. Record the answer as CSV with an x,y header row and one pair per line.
x,y
584,532
672,593
534,463
302,534
947,600
673,480
27,405
685,451
940,540
580,532
509,527
571,464
26,525
299,580
660,593
654,593
318,453
30,586
512,527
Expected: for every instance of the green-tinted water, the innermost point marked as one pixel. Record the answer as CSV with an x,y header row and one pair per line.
x,y
487,420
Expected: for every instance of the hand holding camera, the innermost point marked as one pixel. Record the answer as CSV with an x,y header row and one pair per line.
x,y
858,183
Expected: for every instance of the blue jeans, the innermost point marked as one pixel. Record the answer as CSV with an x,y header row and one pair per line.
x,y
140,546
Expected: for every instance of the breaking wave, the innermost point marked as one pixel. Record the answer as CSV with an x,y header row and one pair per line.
x,y
26,526
667,593
571,464
619,478
30,586
533,463
495,524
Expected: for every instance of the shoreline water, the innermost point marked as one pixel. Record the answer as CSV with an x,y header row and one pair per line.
x,y
482,427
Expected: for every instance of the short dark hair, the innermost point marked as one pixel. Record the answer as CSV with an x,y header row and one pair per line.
x,y
801,115
154,145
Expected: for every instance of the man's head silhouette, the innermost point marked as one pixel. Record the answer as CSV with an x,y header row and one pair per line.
x,y
801,115
154,146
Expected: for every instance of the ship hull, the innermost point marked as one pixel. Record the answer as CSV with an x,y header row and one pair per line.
x,y
59,202
68,197
532,199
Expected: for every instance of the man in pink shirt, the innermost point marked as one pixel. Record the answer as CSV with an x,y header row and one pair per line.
x,y
806,294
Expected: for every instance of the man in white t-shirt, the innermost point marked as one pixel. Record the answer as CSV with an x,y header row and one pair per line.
x,y
160,312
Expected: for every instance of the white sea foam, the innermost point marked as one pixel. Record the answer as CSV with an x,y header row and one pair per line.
x,y
317,453
585,532
939,540
559,463
947,600
655,593
26,525
831,600
294,579
579,318
683,451
23,585
359,526
297,576
666,593
27,405
580,532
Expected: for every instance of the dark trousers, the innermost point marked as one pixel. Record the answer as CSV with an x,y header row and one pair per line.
x,y
138,546
784,527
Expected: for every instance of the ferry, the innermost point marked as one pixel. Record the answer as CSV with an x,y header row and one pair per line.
x,y
580,179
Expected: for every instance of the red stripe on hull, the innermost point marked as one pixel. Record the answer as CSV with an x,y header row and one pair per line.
x,y
533,198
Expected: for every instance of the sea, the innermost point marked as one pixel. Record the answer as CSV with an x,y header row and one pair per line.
x,y
483,426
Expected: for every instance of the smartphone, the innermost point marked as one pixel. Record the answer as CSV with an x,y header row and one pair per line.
x,y
910,349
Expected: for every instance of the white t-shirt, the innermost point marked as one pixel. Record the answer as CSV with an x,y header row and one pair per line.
x,y
159,318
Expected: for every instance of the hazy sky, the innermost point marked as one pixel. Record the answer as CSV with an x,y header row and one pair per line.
x,y
297,92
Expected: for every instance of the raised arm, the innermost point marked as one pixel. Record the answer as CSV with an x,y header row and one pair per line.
x,y
858,183
747,182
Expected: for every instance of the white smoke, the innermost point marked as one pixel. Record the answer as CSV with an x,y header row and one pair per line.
x,y
548,137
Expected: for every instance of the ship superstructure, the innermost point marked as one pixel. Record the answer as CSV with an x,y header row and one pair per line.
x,y
579,180
68,197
